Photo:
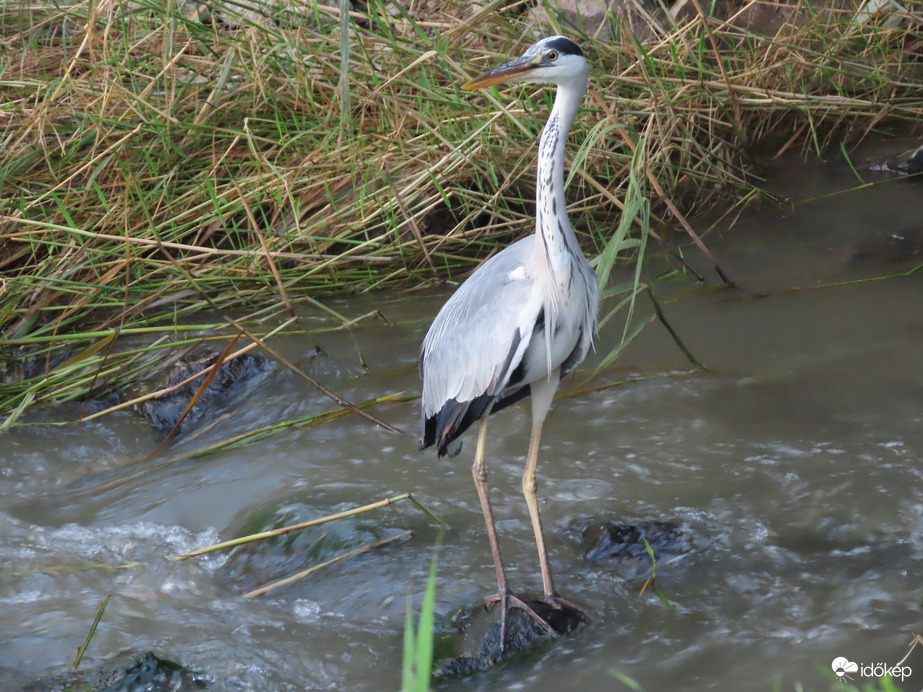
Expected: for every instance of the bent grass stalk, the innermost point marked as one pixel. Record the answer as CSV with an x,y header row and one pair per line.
x,y
96,620
243,540
651,582
327,563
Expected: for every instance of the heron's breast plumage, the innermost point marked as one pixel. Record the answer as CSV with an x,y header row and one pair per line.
x,y
565,332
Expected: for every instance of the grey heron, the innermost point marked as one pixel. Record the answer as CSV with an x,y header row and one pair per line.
x,y
523,320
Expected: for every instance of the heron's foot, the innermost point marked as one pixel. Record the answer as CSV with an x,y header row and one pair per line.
x,y
508,600
559,603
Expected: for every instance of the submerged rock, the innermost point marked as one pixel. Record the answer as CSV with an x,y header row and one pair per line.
x,y
234,379
610,540
127,672
253,565
475,643
909,162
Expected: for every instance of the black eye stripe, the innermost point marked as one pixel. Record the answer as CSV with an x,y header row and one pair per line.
x,y
563,46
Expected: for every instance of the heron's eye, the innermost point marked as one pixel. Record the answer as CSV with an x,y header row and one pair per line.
x,y
552,55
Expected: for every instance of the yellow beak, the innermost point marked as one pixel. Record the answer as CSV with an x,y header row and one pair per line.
x,y
512,71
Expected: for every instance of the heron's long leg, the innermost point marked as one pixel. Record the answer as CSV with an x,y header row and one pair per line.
x,y
528,489
480,482
542,394
506,597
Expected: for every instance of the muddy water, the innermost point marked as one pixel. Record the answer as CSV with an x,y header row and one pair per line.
x,y
793,466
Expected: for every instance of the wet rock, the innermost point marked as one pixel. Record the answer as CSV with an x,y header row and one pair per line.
x,y
913,163
908,162
232,382
475,643
609,540
127,672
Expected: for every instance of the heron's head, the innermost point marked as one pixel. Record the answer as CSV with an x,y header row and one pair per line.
x,y
554,60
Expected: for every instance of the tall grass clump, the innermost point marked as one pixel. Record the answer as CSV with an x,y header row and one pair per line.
x,y
160,159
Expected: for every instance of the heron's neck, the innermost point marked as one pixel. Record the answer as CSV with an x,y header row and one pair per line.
x,y
556,243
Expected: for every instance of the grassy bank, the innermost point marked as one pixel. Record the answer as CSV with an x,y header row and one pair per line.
x,y
158,159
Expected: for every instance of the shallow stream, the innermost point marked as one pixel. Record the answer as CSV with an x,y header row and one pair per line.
x,y
793,466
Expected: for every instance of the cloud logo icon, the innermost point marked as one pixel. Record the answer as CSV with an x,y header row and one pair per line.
x,y
841,666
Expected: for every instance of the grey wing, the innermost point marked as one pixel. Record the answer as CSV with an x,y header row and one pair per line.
x,y
476,342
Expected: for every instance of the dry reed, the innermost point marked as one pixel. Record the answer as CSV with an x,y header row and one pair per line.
x,y
158,160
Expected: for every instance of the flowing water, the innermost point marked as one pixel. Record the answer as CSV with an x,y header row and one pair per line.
x,y
792,466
